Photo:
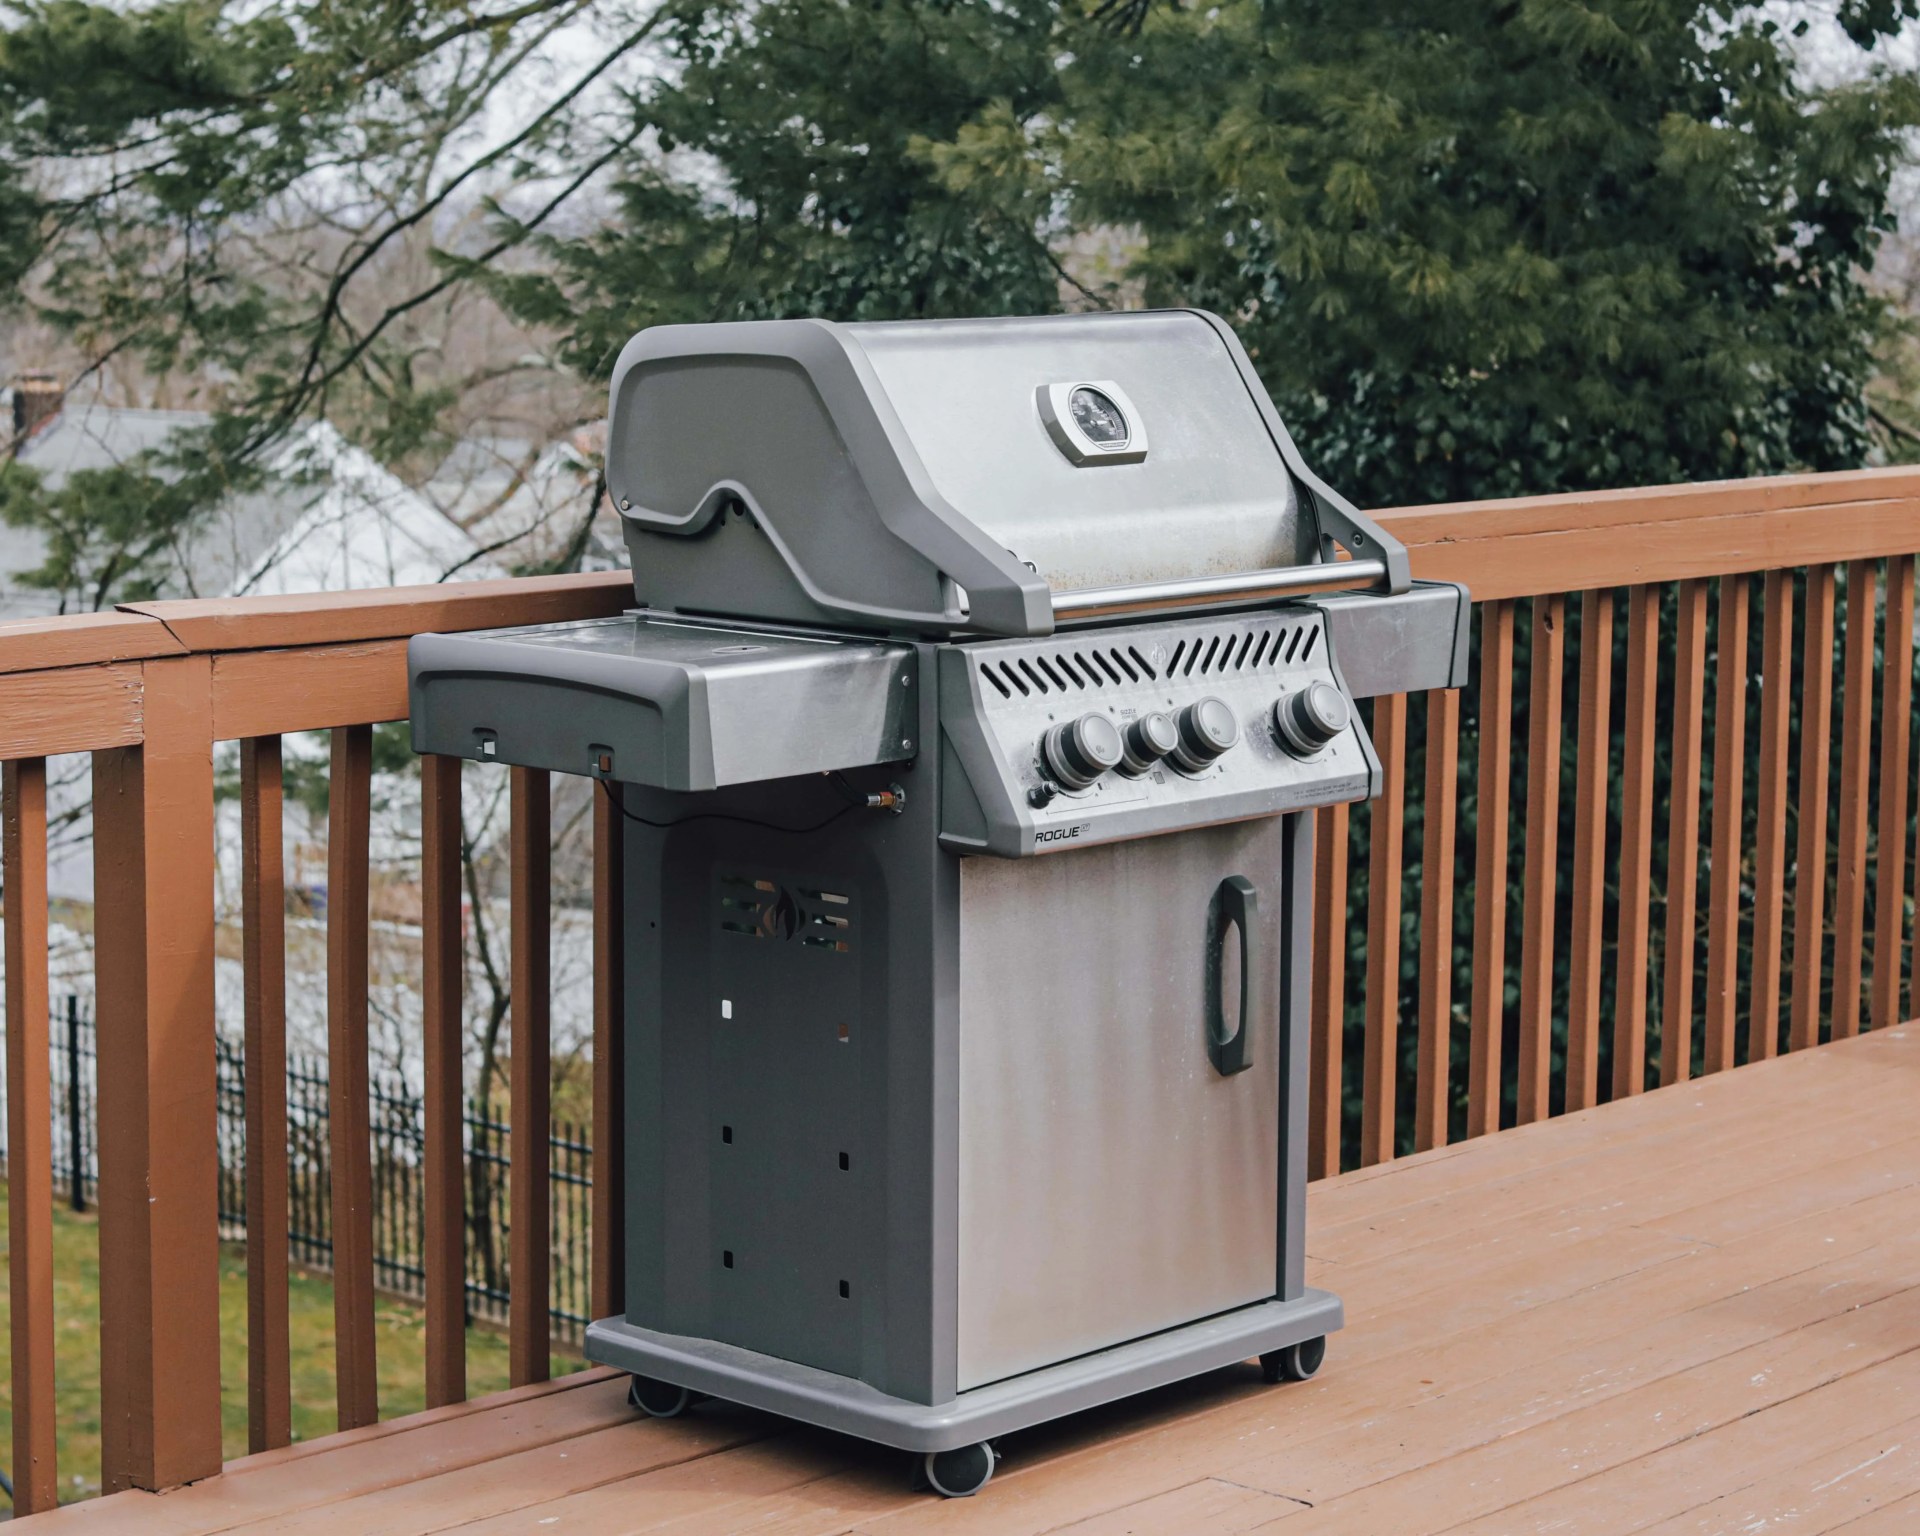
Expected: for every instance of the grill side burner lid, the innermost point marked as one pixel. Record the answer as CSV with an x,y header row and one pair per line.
x,y
940,477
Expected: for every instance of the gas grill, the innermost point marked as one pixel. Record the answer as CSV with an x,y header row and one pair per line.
x,y
980,678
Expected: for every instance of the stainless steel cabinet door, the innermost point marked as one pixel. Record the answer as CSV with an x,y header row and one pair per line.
x,y
1112,1181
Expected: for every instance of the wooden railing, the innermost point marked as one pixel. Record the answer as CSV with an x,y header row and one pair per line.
x,y
1410,975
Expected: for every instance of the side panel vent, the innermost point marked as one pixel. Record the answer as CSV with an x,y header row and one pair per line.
x,y
758,907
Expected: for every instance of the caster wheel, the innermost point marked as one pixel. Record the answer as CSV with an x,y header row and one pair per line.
x,y
661,1399
1297,1362
959,1474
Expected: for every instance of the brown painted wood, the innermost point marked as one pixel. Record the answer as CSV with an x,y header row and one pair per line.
x,y
1856,768
1432,1089
1770,841
442,1000
1326,1072
1633,953
1694,502
263,954
1683,834
73,709
1546,681
378,613
609,1246
1810,862
1896,730
23,866
82,640
159,1208
1490,868
258,693
1586,960
1386,837
1525,547
1729,780
349,791
530,1084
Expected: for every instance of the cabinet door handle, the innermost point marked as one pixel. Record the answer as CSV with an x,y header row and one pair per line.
x,y
1235,904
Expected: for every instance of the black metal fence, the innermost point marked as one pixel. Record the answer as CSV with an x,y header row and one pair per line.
x,y
398,1121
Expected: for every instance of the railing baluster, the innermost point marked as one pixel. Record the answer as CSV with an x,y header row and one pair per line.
x,y
263,903
1329,990
1386,841
1432,1091
1589,850
1856,767
1729,780
608,1237
1770,875
1683,834
529,1094
1541,879
159,1165
349,1108
1636,842
443,1157
1810,858
23,865
1896,726
1490,867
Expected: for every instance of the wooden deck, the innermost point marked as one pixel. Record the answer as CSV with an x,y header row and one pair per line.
x,y
1698,1311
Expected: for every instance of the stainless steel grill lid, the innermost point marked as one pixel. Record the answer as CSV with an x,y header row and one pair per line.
x,y
940,476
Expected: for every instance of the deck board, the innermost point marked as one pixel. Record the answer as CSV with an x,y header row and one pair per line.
x,y
1694,1311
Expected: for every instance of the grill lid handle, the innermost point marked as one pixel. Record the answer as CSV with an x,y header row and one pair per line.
x,y
1218,591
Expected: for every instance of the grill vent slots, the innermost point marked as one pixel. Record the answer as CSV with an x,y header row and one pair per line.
x,y
759,908
1085,669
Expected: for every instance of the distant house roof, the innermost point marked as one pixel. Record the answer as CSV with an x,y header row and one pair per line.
x,y
91,435
330,518
360,526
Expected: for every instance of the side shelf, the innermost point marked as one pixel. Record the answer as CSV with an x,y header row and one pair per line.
x,y
668,703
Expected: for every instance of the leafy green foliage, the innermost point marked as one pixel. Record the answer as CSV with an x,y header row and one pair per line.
x,y
1517,248
786,174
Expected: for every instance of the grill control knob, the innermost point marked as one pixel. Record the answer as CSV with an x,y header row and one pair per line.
x,y
1145,742
1310,718
1077,753
1207,730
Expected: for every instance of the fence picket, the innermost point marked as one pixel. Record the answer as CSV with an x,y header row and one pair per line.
x,y
349,800
1636,842
263,951
1729,782
1770,875
1896,727
1856,769
1810,862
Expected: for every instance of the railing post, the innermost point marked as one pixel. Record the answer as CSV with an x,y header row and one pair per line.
x,y
23,806
76,1145
159,1205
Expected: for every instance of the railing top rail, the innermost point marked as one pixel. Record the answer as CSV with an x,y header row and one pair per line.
x,y
1528,546
1518,547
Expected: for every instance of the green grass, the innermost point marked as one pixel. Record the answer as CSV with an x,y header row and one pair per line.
x,y
76,1304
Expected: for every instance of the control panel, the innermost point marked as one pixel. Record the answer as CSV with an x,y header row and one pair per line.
x,y
1097,735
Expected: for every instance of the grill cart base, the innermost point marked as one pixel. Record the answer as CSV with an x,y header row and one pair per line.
x,y
852,1407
